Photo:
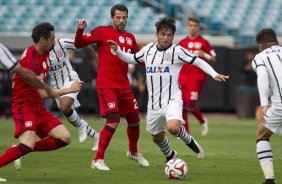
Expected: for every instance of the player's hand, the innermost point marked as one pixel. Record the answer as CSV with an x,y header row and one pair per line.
x,y
76,86
260,116
43,93
221,77
199,53
113,45
81,24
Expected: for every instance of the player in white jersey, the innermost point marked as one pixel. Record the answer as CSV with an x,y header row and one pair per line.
x,y
62,76
268,66
9,63
163,62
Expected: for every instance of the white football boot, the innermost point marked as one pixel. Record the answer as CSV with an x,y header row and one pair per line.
x,y
96,143
99,165
82,132
205,128
2,179
139,158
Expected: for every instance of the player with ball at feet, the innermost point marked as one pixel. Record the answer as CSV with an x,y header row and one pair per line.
x,y
163,62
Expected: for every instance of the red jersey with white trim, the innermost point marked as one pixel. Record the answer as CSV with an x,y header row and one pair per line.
x,y
22,92
193,46
112,72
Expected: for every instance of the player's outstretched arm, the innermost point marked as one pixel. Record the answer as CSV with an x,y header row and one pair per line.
x,y
124,56
54,93
209,70
30,78
79,40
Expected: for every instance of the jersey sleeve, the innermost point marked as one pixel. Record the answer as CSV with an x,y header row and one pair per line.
x,y
208,49
183,55
82,40
257,62
7,61
67,43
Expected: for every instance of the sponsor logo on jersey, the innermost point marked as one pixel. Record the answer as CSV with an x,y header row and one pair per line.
x,y
58,66
111,105
167,56
129,41
121,39
28,123
157,69
196,45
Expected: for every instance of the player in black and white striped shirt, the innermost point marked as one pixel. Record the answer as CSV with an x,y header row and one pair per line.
x,y
163,62
268,66
62,76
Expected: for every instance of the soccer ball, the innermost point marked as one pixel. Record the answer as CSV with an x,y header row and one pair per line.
x,y
176,169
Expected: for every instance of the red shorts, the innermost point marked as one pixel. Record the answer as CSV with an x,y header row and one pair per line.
x,y
191,91
116,100
27,117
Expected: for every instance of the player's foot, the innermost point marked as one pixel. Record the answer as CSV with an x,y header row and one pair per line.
x,y
82,131
139,158
173,155
201,154
2,179
99,165
204,128
95,146
18,163
269,181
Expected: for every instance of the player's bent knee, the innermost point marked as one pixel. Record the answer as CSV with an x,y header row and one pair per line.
x,y
65,109
173,128
262,133
112,118
133,119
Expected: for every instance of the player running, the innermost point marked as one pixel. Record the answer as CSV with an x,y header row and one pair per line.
x,y
163,62
62,76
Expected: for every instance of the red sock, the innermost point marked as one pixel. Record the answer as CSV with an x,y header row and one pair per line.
x,y
49,144
133,136
14,153
104,140
185,118
198,114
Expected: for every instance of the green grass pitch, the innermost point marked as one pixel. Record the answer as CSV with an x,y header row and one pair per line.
x,y
229,147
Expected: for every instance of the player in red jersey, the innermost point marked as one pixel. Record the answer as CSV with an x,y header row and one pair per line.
x,y
30,116
191,78
115,96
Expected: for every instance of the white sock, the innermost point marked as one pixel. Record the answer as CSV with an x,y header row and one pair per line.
x,y
74,119
264,153
165,147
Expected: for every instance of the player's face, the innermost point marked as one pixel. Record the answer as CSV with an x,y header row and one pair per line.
x,y
165,37
193,28
49,43
119,20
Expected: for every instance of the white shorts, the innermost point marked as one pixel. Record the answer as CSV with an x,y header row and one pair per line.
x,y
156,119
76,103
274,120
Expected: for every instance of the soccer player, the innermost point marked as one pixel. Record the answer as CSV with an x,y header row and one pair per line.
x,y
268,66
115,96
163,62
9,63
192,78
62,76
30,116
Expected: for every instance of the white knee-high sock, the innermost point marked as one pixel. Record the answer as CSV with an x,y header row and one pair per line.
x,y
188,139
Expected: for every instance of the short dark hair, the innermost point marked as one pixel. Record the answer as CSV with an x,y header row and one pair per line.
x,y
119,7
194,19
266,35
43,29
166,23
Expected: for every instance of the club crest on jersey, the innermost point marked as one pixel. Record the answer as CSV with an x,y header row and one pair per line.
x,y
129,41
111,105
44,64
157,69
167,56
28,123
121,39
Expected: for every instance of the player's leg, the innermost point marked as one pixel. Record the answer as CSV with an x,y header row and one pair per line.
x,y
27,141
173,124
109,110
164,145
67,105
195,88
264,153
185,97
